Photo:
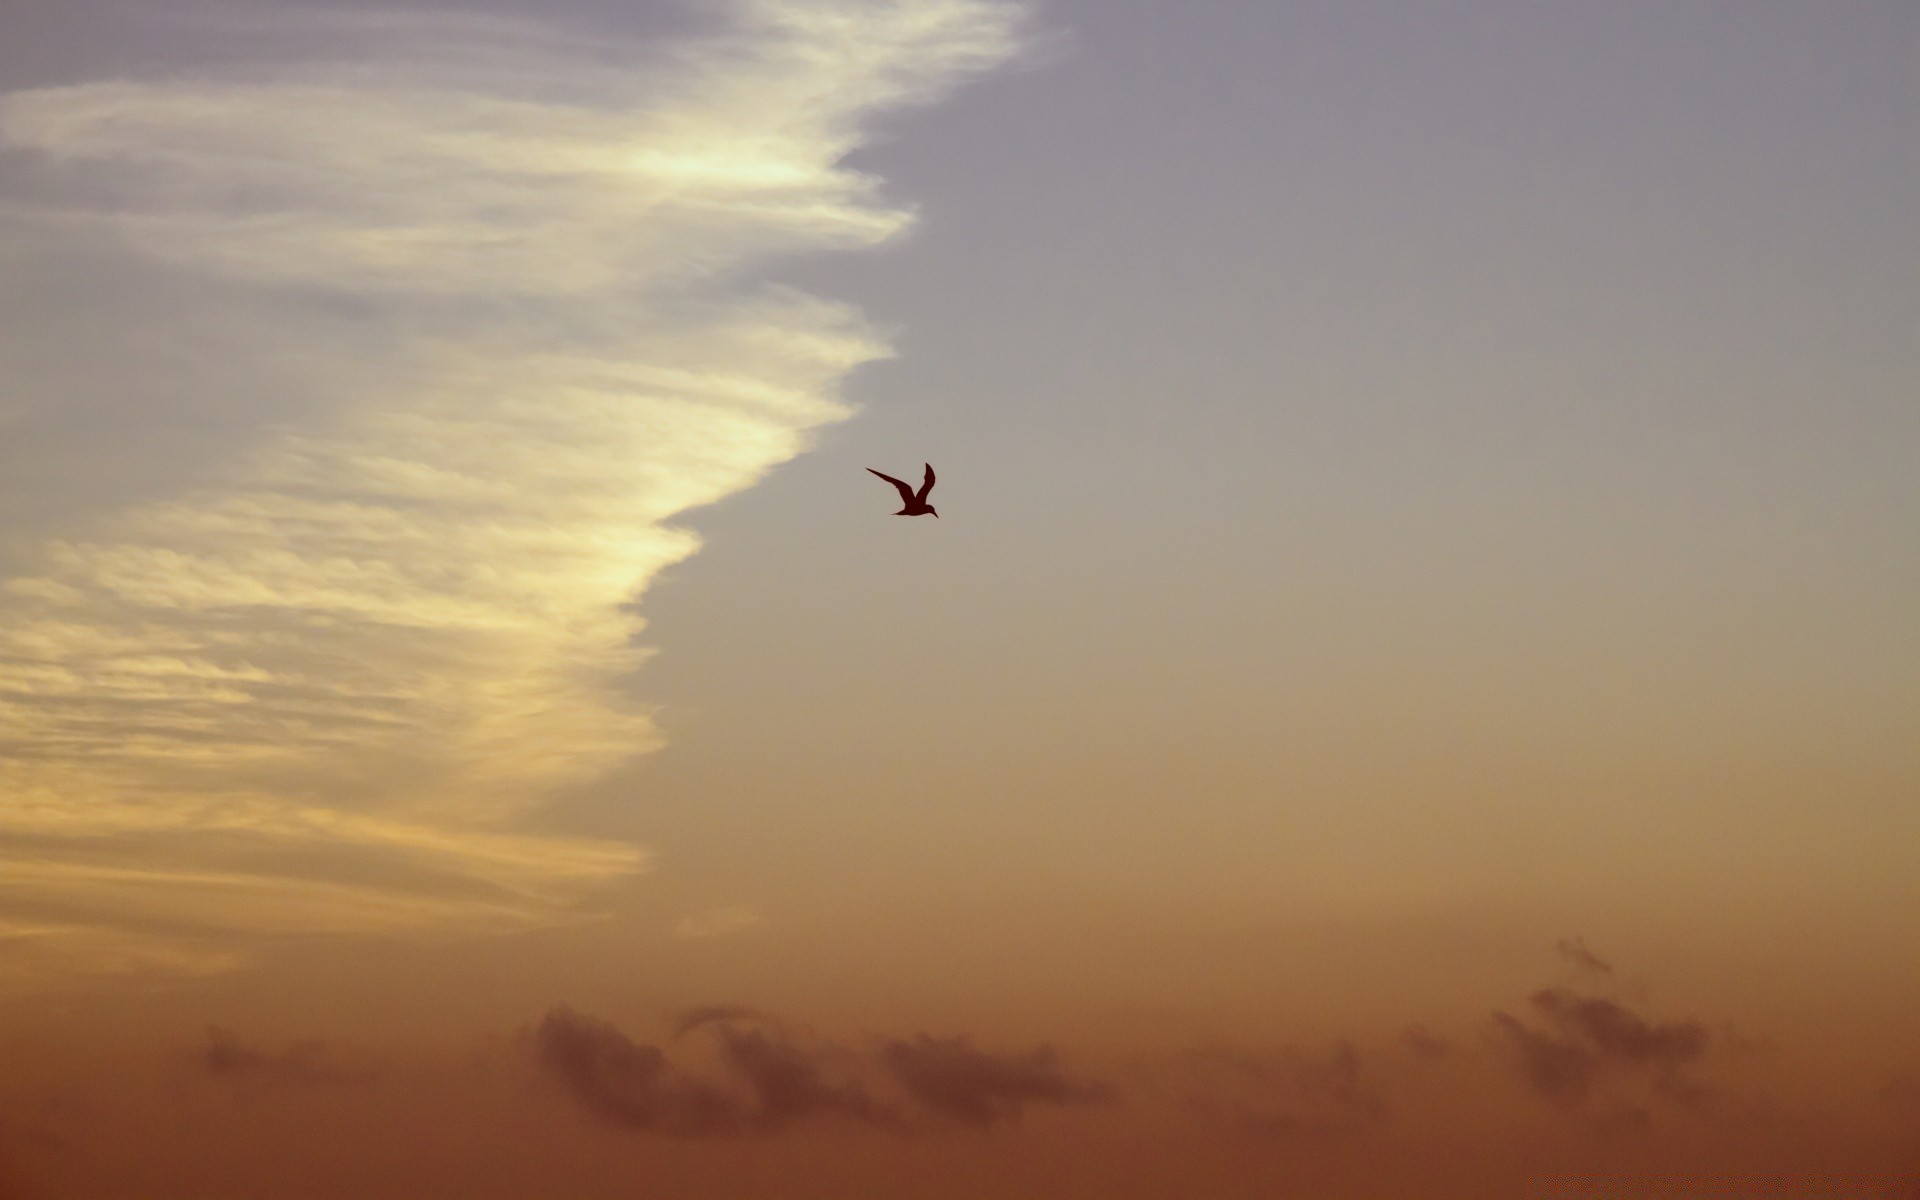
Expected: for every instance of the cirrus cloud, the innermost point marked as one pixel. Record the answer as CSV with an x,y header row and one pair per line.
x,y
322,680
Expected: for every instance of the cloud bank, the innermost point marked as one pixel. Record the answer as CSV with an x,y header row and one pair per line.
x,y
769,1079
319,681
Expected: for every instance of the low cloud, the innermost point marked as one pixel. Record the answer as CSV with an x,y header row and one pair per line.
x,y
1595,1058
630,1084
790,1083
226,1056
1556,1067
1588,1040
768,1079
1621,1035
953,1078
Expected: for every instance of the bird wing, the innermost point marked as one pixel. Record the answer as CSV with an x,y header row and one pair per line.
x,y
906,493
927,486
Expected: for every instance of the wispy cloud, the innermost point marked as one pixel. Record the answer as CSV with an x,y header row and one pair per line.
x,y
34,951
320,683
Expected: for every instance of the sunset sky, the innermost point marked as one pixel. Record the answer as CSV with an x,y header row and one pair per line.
x,y
1414,689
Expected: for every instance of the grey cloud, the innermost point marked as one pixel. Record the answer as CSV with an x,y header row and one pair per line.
x,y
1617,1033
1556,1067
790,1084
773,1079
1588,1037
951,1077
302,1062
631,1084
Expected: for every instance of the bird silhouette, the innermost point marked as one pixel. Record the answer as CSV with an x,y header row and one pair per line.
x,y
916,502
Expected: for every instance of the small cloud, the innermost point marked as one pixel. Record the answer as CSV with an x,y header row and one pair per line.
x,y
630,1084
1555,1067
1620,1034
1588,1037
719,922
775,1081
1575,951
302,1062
790,1082
955,1080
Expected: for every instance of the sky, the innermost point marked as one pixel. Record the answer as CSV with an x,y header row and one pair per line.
x,y
1414,688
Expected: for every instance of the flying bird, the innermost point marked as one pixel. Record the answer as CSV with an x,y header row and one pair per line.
x,y
916,502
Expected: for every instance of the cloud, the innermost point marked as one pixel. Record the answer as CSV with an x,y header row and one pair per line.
x,y
770,1079
1556,1067
322,678
1590,1037
771,1082
790,1083
630,1084
585,166
1620,1034
1588,1055
303,1062
1575,951
952,1078
33,952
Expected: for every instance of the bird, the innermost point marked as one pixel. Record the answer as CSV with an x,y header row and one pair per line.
x,y
916,502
